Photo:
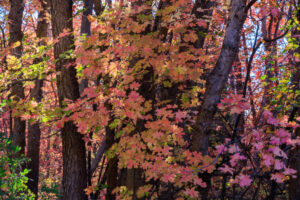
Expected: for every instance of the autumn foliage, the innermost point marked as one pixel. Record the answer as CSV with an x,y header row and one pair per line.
x,y
162,99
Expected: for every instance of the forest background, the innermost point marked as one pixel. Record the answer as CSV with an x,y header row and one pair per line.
x,y
149,99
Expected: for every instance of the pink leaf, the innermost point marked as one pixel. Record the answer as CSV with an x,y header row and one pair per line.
x,y
277,177
278,165
191,192
200,182
275,12
226,169
245,180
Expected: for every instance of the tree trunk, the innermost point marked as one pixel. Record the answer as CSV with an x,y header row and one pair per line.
x,y
216,81
15,31
34,131
217,78
74,160
294,189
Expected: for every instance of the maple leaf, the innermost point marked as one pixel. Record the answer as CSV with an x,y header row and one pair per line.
x,y
235,158
235,110
278,177
278,165
282,133
278,152
273,121
226,169
202,23
168,178
275,12
259,146
244,180
290,172
191,192
200,182
134,96
179,115
268,159
134,86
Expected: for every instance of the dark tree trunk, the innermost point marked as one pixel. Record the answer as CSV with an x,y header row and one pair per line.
x,y
34,131
99,8
74,159
85,23
216,81
217,78
294,189
15,31
84,83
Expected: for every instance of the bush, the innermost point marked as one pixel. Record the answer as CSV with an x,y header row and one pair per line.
x,y
12,179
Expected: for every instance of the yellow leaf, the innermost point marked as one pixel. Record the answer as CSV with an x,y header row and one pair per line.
x,y
16,44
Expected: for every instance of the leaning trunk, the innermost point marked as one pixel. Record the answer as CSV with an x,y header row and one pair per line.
x,y
216,81
217,78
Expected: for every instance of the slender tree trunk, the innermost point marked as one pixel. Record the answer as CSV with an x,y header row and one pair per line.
x,y
98,7
84,83
294,189
74,159
216,81
112,165
15,30
34,131
217,78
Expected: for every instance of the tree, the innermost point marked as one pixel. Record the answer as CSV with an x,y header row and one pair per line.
x,y
158,99
15,39
74,159
34,131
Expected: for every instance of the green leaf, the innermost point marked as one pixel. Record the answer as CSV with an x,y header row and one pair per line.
x,y
263,77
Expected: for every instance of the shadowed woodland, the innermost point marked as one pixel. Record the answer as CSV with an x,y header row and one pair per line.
x,y
150,99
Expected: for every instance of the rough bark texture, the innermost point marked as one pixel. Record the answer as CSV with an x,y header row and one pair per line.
x,y
217,78
294,189
74,160
34,131
215,83
15,35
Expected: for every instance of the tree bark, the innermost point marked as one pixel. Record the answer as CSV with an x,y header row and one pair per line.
x,y
74,159
294,189
15,31
217,78
216,81
34,131
99,8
